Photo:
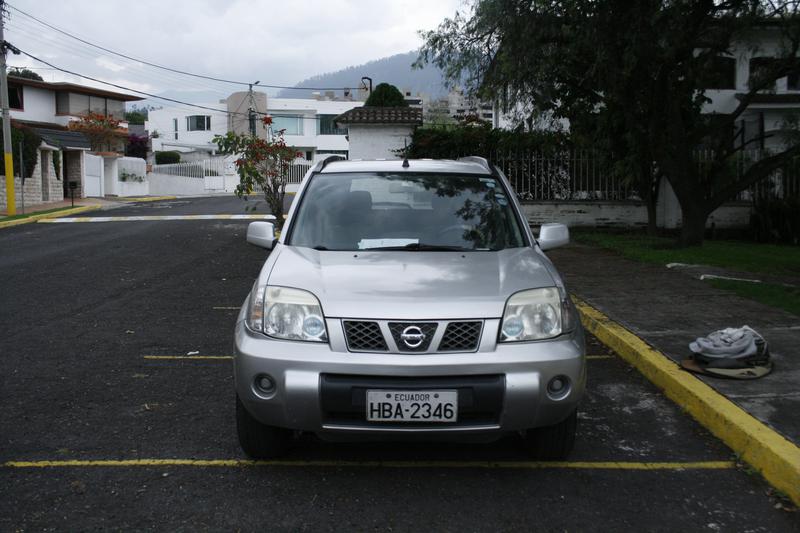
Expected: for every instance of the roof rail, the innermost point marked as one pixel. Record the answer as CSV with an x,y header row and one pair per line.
x,y
323,163
482,161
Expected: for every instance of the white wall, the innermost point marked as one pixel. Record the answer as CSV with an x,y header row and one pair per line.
x,y
40,106
630,214
161,121
377,142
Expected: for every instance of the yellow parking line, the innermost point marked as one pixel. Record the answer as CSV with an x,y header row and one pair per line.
x,y
599,357
520,465
178,357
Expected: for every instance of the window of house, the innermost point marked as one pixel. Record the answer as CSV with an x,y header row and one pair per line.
x,y
78,104
175,127
115,109
97,104
760,67
198,123
15,96
720,74
62,103
290,125
328,127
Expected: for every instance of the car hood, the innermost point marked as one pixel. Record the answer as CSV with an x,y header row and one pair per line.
x,y
413,285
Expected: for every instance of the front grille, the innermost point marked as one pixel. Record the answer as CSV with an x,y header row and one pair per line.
x,y
461,337
428,329
364,336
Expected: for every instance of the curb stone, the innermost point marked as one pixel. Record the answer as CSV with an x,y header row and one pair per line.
x,y
55,214
771,454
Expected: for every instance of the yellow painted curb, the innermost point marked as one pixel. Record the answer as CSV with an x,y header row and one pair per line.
x,y
144,198
55,214
774,456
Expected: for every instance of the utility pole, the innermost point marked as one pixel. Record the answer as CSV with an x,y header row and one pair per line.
x,y
251,114
11,200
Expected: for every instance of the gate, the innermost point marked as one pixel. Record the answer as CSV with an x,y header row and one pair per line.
x,y
92,175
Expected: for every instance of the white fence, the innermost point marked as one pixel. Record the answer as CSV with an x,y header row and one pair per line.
x,y
298,170
194,169
194,178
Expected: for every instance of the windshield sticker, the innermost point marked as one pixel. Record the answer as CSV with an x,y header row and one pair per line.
x,y
489,182
366,244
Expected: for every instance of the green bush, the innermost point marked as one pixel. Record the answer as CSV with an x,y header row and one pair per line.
x,y
167,158
30,149
386,95
479,138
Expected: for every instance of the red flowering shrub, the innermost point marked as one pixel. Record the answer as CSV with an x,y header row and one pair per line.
x,y
261,164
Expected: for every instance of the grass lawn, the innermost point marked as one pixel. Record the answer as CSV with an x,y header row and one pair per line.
x,y
737,255
786,298
26,215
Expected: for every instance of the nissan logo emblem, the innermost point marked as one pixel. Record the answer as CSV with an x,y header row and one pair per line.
x,y
413,337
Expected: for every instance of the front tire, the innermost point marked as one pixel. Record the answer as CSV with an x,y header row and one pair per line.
x,y
259,441
552,443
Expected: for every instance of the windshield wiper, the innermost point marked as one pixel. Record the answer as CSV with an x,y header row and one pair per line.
x,y
421,247
320,248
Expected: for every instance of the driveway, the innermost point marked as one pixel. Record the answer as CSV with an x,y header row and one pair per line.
x,y
118,412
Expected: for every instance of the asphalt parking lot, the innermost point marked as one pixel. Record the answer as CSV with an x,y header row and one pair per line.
x,y
115,339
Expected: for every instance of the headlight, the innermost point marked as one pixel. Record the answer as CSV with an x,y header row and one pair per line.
x,y
535,314
286,313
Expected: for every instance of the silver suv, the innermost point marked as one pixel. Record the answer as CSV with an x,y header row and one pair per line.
x,y
408,299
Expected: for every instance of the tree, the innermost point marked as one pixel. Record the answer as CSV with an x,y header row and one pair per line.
x,y
262,164
137,146
386,95
135,117
630,75
24,73
102,131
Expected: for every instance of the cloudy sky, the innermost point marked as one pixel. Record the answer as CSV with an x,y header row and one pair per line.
x,y
276,42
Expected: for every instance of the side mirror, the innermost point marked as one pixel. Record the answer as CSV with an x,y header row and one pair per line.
x,y
261,234
552,236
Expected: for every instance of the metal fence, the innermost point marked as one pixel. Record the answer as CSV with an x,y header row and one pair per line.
x,y
782,183
585,175
565,175
297,170
193,169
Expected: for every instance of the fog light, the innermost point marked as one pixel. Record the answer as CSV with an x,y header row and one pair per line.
x,y
558,387
264,384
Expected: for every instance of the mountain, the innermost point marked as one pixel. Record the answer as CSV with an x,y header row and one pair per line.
x,y
394,69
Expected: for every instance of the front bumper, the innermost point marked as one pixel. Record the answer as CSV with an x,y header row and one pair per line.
x,y
502,387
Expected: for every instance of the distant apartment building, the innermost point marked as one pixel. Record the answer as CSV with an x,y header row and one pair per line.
x,y
307,123
457,106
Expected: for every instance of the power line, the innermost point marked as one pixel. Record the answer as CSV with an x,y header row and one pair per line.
x,y
151,95
155,65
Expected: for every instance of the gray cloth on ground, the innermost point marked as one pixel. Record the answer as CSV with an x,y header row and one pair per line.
x,y
731,343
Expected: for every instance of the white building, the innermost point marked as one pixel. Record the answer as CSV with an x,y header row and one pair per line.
x,y
380,132
307,124
731,79
47,108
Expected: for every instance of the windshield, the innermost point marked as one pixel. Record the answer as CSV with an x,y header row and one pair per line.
x,y
386,211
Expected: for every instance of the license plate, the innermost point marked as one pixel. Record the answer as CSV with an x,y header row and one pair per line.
x,y
412,406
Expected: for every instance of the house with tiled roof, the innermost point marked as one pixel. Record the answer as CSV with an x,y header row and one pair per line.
x,y
47,109
379,132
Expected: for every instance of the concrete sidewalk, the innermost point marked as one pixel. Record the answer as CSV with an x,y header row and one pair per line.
x,y
669,309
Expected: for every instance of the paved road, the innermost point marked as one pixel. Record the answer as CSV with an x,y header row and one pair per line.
x,y
83,304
